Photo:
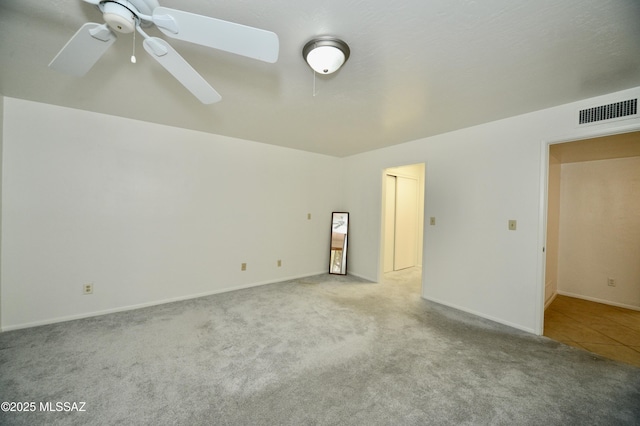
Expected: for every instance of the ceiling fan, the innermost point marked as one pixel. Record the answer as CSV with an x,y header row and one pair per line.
x,y
92,40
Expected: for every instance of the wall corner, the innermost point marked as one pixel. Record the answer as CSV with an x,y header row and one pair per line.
x,y
1,184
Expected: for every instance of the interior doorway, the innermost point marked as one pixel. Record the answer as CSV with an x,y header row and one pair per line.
x,y
591,277
402,218
592,204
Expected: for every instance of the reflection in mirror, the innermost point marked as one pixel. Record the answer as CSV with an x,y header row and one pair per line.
x,y
338,256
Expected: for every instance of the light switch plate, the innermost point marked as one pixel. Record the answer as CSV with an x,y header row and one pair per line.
x,y
513,224
432,221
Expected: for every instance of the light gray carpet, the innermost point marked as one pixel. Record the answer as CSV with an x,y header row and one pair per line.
x,y
325,350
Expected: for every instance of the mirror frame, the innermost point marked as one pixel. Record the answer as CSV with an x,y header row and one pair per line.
x,y
338,265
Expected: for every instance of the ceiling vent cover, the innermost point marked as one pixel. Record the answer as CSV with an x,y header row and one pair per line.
x,y
609,112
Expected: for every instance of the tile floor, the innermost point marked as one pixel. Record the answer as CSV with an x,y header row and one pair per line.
x,y
602,329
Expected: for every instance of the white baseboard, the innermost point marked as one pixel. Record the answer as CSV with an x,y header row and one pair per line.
x,y
595,299
149,304
550,301
362,276
481,315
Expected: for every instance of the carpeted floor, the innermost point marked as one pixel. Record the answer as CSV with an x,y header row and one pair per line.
x,y
325,350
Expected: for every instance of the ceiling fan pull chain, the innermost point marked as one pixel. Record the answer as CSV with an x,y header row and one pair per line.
x,y
133,55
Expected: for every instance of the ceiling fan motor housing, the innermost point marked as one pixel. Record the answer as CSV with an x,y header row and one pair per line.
x,y
119,17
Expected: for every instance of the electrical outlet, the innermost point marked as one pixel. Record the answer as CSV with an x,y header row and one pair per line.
x,y
243,267
87,288
513,224
611,282
279,263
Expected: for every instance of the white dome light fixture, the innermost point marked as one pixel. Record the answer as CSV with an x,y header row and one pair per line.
x,y
325,55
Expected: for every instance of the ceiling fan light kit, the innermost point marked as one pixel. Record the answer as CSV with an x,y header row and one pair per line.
x,y
325,55
92,40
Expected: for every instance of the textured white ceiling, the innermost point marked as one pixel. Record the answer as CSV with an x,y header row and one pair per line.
x,y
417,68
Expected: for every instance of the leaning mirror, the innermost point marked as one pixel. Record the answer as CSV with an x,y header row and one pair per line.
x,y
338,254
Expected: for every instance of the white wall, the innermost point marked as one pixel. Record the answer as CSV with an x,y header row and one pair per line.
x,y
476,180
600,231
149,213
1,179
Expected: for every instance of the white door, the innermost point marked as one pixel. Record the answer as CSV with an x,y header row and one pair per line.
x,y
389,223
401,223
406,229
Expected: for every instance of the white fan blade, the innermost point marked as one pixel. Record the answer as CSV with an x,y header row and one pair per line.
x,y
84,49
171,60
96,2
228,36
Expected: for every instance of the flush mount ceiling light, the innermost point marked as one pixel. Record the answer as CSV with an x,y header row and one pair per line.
x,y
325,54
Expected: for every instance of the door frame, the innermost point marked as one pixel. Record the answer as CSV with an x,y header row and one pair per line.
x,y
580,134
391,170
